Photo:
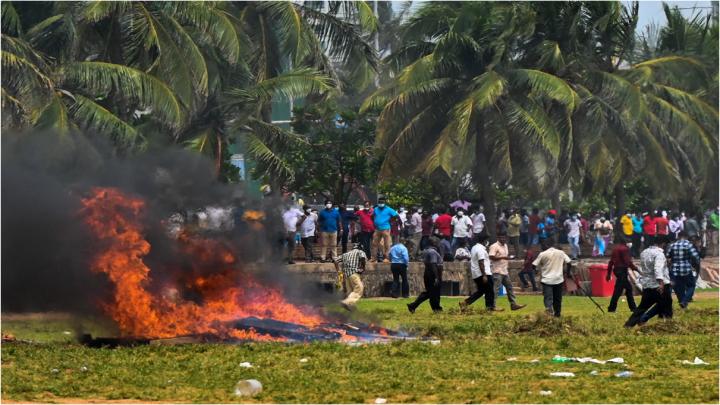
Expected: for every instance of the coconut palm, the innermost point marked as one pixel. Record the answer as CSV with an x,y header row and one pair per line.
x,y
462,102
631,119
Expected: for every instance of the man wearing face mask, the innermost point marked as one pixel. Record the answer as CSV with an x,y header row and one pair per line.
x,y
367,227
382,215
307,233
462,229
348,217
329,219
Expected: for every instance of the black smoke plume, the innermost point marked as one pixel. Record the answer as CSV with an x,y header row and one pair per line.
x,y
46,248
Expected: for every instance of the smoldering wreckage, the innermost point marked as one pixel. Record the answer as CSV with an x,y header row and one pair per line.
x,y
87,231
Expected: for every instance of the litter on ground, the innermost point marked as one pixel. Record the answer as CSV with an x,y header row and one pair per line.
x,y
624,374
303,360
545,393
698,361
245,364
380,400
562,359
511,359
565,374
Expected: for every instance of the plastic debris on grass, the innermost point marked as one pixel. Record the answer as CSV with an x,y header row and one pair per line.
x,y
245,364
698,361
248,388
562,359
303,360
380,400
54,371
545,393
511,359
624,374
535,361
594,372
565,374
83,369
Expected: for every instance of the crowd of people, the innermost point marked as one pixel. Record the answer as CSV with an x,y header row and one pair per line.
x,y
669,248
377,227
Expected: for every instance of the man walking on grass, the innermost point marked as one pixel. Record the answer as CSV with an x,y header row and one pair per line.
x,y
353,263
481,275
432,279
499,258
572,226
655,282
620,262
683,257
552,262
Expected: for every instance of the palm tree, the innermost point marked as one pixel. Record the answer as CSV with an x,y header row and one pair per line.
x,y
150,73
631,118
462,102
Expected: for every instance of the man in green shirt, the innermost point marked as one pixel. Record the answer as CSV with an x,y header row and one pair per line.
x,y
513,231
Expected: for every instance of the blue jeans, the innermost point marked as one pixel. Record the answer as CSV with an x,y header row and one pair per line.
x,y
682,287
456,244
574,246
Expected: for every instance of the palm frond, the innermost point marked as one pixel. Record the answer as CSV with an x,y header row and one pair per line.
x,y
92,116
97,10
546,85
101,78
10,19
214,23
533,123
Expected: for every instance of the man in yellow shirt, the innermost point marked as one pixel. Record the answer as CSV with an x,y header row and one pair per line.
x,y
627,226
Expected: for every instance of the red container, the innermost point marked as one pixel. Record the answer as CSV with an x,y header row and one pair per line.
x,y
600,287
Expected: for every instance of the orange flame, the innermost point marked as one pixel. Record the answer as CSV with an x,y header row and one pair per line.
x,y
226,295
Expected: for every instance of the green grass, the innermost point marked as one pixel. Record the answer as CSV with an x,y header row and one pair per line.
x,y
469,365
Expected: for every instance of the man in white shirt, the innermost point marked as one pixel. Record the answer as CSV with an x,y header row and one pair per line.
x,y
416,231
572,226
478,220
462,229
307,233
482,276
499,257
551,263
291,216
655,282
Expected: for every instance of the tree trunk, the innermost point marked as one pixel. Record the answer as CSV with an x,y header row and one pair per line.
x,y
619,192
219,157
484,178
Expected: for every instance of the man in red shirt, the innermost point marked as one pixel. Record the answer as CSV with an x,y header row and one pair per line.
x,y
649,229
534,220
620,262
443,225
662,225
367,227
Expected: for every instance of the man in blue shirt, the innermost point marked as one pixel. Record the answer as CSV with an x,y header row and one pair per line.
x,y
329,220
381,218
637,224
399,259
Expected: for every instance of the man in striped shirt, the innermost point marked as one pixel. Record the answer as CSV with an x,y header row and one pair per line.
x,y
353,263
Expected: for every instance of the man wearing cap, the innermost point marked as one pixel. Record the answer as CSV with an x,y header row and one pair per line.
x,y
353,263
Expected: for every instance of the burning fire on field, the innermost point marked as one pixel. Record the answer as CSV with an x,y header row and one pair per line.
x,y
226,304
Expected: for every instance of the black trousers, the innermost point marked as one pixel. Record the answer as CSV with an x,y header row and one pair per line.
x,y
399,271
622,283
552,297
290,240
636,244
307,244
432,289
485,289
365,238
344,239
650,297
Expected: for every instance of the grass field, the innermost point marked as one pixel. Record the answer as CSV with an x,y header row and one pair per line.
x,y
469,365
